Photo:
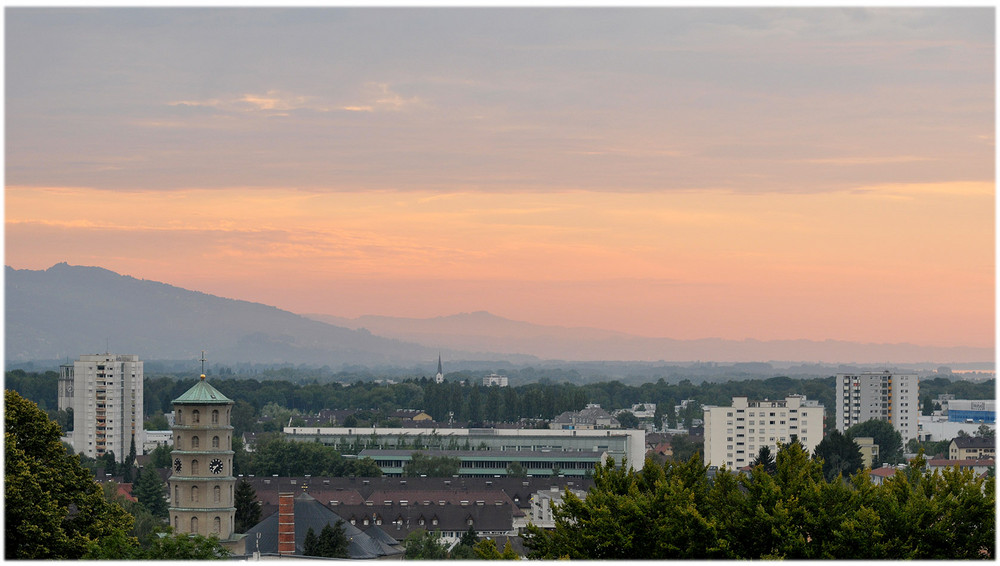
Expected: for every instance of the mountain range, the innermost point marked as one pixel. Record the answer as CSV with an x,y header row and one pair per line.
x,y
65,311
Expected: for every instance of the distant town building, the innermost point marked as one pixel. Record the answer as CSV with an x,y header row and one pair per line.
x,y
155,438
620,444
734,435
105,393
878,395
971,411
494,379
542,503
972,448
869,450
590,418
937,427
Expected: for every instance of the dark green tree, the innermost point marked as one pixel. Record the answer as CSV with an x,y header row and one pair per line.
x,y
431,466
928,406
310,546
628,420
469,537
128,466
766,460
890,442
186,547
151,492
984,431
425,545
516,470
160,457
333,541
247,506
840,455
53,508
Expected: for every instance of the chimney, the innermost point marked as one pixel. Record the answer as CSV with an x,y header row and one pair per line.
x,y
286,523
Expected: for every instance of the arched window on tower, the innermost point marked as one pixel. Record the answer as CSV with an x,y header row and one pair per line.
x,y
217,525
194,467
217,494
194,442
177,443
194,494
180,416
195,416
215,442
177,522
194,525
215,416
177,496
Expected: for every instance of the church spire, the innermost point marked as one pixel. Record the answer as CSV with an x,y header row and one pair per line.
x,y
439,378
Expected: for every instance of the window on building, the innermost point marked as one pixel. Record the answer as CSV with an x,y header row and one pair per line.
x,y
217,525
215,416
194,525
194,494
217,494
194,442
194,467
215,442
195,416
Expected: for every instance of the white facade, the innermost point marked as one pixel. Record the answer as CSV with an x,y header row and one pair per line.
x,y
105,393
155,438
878,395
734,435
541,506
494,379
938,428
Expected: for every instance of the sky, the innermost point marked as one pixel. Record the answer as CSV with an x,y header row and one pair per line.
x,y
738,173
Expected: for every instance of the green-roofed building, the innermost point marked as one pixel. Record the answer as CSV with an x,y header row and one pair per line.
x,y
202,484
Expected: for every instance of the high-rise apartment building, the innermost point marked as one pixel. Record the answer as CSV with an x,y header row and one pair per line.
x,y
734,435
105,393
878,395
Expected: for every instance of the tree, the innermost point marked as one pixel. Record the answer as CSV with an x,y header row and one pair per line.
x,y
890,442
128,466
186,547
151,492
160,457
53,508
247,506
330,543
486,549
683,448
628,420
431,466
984,431
424,545
516,470
766,460
928,406
840,455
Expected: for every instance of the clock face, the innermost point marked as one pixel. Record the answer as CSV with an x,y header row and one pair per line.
x,y
216,466
177,464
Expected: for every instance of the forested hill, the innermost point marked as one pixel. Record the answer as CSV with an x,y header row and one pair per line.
x,y
65,311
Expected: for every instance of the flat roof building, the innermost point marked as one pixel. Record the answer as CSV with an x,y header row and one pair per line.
x,y
734,435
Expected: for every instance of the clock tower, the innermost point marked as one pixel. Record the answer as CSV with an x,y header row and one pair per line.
x,y
202,483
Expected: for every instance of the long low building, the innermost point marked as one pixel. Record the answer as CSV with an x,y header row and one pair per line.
x,y
620,444
494,463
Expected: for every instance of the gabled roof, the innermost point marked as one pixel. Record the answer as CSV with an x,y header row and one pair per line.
x,y
203,394
310,513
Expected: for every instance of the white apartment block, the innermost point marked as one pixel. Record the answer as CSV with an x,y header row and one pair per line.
x,y
878,395
734,435
105,393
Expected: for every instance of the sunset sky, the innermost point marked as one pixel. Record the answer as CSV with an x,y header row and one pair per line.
x,y
676,172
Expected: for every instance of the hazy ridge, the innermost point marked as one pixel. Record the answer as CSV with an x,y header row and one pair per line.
x,y
65,311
